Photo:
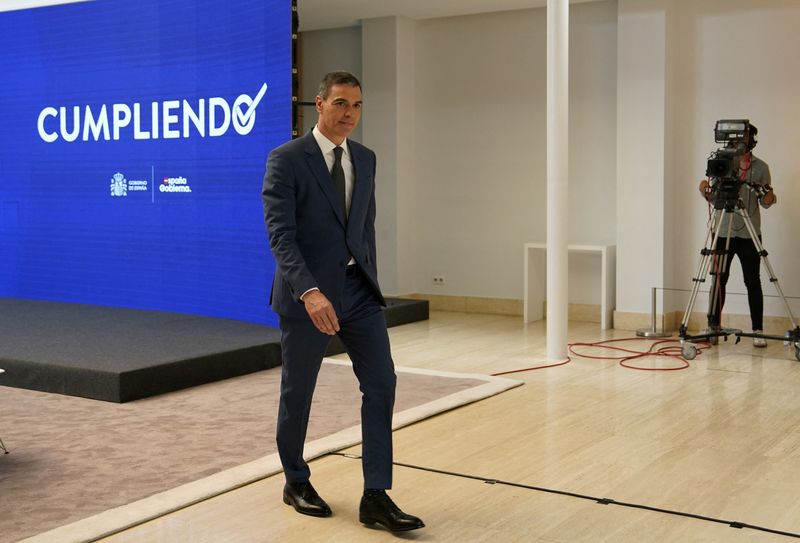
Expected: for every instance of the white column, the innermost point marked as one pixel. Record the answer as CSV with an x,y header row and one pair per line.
x,y
557,176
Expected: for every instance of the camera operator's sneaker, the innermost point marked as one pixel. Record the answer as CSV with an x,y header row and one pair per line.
x,y
759,341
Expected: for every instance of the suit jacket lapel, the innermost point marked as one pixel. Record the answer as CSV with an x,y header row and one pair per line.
x,y
320,170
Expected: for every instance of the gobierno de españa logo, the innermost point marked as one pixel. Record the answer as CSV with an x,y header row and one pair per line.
x,y
120,186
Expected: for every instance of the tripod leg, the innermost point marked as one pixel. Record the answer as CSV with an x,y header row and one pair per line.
x,y
702,269
716,296
763,254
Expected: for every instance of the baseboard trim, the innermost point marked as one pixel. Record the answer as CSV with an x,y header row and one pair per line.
x,y
591,313
697,321
499,306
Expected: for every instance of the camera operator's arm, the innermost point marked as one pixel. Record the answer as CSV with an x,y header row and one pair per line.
x,y
705,189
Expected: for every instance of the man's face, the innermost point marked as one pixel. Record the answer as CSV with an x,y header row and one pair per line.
x,y
340,112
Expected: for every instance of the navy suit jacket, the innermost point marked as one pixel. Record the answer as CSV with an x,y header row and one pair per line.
x,y
308,234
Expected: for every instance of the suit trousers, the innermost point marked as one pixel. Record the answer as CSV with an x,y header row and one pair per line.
x,y
364,335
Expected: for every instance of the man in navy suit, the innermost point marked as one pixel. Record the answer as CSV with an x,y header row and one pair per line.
x,y
319,206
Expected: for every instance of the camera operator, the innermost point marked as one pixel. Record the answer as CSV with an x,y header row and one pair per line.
x,y
755,188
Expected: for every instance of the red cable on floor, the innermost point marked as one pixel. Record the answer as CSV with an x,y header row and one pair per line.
x,y
567,361
672,349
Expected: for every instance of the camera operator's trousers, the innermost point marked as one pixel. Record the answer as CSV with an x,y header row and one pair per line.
x,y
750,260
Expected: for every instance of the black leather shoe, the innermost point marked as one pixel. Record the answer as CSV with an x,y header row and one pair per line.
x,y
378,508
305,500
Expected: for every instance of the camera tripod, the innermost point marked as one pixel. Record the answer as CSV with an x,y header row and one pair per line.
x,y
728,206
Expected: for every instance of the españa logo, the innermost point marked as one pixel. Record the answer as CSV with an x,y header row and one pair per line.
x,y
175,184
170,119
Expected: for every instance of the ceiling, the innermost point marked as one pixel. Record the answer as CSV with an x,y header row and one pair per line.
x,y
11,5
319,14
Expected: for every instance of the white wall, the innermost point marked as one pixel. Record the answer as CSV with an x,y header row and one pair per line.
x,y
388,45
641,124
323,51
461,151
480,146
476,188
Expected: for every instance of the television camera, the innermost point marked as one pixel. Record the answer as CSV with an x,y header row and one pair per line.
x,y
738,137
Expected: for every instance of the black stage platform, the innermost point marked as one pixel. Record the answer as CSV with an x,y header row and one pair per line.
x,y
118,355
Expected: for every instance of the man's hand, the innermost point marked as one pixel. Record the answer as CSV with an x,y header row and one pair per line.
x,y
705,189
321,311
769,198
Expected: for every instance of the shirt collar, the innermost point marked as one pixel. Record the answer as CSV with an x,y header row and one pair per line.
x,y
326,145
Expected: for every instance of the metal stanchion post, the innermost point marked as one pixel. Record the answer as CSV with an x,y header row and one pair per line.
x,y
652,331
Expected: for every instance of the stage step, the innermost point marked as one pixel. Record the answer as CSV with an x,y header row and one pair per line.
x,y
118,354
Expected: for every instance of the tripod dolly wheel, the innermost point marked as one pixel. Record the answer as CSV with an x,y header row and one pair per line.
x,y
689,351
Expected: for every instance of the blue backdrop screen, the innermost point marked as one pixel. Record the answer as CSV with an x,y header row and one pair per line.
x,y
132,147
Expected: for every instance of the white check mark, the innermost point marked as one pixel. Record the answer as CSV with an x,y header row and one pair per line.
x,y
244,117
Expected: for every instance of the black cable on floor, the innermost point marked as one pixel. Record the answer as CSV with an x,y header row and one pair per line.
x,y
602,501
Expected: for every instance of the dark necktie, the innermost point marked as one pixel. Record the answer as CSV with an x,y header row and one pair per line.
x,y
337,174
